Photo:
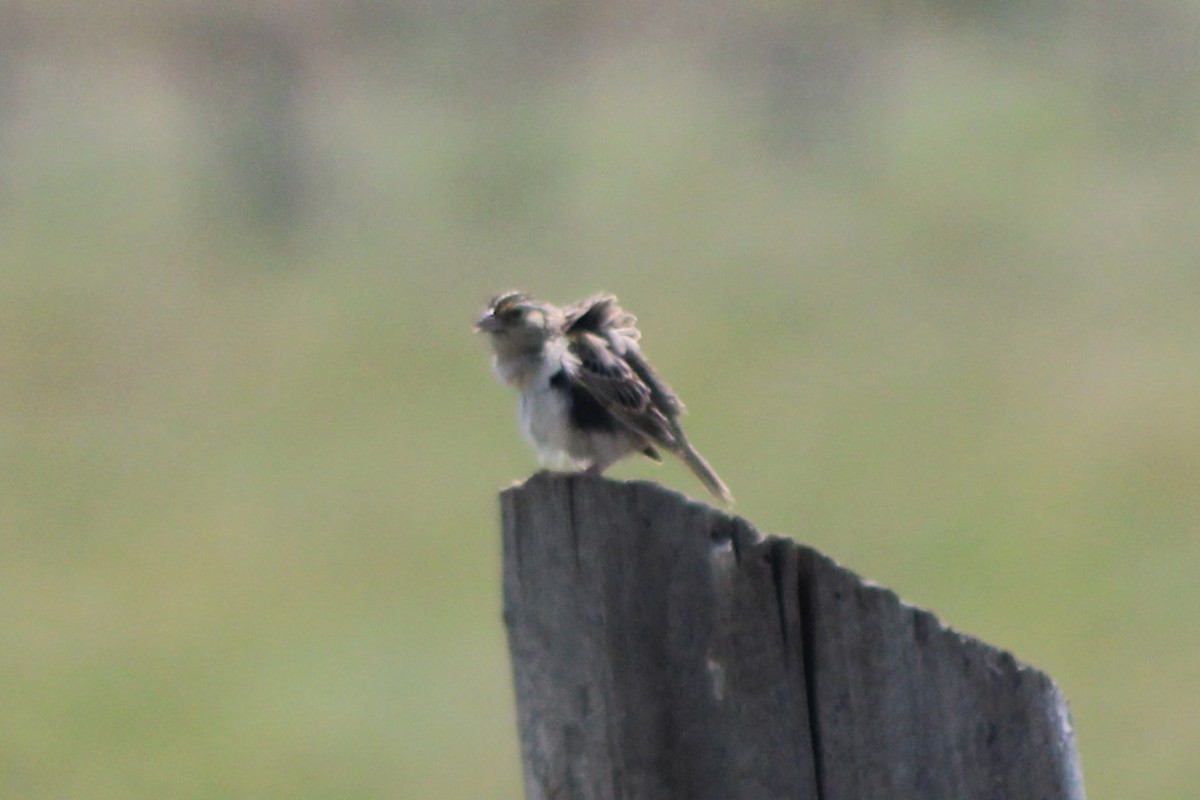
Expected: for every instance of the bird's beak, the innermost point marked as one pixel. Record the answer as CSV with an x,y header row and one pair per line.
x,y
487,324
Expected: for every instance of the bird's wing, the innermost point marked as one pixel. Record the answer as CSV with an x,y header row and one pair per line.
x,y
607,377
607,364
604,318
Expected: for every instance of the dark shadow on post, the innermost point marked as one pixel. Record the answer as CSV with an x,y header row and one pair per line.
x,y
662,649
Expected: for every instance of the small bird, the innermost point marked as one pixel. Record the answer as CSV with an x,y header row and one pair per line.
x,y
588,395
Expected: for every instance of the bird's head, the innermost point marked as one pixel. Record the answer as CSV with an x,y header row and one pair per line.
x,y
516,322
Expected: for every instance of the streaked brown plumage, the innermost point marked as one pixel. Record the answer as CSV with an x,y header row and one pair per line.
x,y
588,395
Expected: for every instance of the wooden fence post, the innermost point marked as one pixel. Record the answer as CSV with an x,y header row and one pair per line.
x,y
663,650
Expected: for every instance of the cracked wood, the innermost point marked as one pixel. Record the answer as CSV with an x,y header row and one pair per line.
x,y
662,649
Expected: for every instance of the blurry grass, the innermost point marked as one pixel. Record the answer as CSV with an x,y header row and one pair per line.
x,y
248,508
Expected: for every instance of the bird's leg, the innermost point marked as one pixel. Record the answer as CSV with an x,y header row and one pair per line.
x,y
597,468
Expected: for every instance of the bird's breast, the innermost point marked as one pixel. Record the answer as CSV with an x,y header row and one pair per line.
x,y
545,414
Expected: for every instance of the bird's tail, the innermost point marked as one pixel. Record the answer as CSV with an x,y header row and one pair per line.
x,y
700,467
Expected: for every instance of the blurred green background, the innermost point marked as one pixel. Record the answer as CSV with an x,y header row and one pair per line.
x,y
928,278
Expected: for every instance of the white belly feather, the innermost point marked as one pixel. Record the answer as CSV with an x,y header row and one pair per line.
x,y
545,415
546,422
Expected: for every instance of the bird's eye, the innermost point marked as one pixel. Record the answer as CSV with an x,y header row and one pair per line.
x,y
512,314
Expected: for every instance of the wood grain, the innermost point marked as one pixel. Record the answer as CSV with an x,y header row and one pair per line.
x,y
663,649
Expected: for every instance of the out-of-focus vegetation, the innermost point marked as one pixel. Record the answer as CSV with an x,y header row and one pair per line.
x,y
928,278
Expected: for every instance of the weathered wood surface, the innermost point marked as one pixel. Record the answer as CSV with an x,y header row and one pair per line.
x,y
664,650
